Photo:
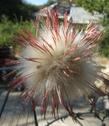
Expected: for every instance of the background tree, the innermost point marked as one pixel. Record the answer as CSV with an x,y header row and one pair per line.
x,y
14,15
101,6
16,9
61,1
49,2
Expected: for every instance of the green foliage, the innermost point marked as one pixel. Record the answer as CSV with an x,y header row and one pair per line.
x,y
101,6
104,46
16,9
8,29
50,2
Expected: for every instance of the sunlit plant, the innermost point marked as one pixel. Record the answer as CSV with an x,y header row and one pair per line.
x,y
58,64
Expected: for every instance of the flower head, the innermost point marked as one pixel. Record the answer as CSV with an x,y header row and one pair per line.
x,y
57,64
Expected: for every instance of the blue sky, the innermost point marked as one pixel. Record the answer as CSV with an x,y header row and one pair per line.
x,y
36,2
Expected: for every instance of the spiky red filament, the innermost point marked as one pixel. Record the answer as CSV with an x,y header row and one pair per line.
x,y
59,51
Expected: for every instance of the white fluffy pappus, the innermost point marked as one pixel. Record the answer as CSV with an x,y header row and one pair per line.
x,y
57,64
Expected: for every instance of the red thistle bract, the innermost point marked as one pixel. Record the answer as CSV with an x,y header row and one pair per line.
x,y
57,64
